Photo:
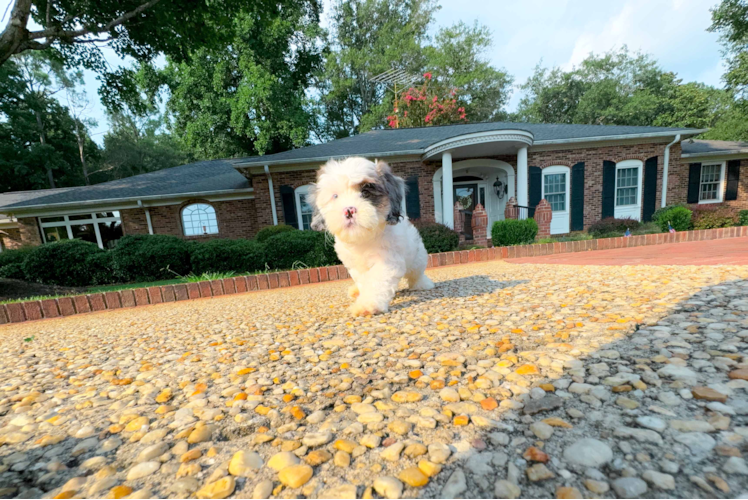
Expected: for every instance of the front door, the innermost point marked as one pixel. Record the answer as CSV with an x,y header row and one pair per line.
x,y
556,192
467,195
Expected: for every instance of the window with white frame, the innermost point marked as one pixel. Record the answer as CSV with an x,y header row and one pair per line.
x,y
199,218
304,210
710,183
627,186
102,228
555,191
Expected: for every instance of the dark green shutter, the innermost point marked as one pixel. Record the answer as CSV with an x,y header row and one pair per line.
x,y
535,193
577,197
288,200
733,179
649,198
609,189
412,198
694,179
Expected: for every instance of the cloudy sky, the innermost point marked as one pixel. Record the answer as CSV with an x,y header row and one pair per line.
x,y
562,33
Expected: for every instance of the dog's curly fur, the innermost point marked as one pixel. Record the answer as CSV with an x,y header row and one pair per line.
x,y
360,203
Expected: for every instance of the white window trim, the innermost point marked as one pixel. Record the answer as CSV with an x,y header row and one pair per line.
x,y
558,169
720,188
624,165
298,192
67,223
184,229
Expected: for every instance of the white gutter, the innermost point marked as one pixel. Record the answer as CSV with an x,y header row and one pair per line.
x,y
147,216
723,152
272,195
666,161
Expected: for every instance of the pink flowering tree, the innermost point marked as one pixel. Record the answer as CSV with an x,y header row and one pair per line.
x,y
427,105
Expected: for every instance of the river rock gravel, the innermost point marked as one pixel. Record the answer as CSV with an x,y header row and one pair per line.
x,y
505,380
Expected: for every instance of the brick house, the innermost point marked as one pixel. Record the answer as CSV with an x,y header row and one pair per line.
x,y
585,172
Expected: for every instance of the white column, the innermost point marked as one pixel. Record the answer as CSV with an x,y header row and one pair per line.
x,y
522,177
448,210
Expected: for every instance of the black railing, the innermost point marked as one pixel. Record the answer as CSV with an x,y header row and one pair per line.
x,y
467,224
525,212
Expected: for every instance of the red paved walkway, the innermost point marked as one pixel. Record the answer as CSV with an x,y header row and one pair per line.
x,y
727,251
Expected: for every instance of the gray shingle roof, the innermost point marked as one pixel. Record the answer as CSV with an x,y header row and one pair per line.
x,y
700,147
221,175
415,140
199,177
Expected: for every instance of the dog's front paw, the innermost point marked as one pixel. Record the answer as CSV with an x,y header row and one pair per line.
x,y
360,308
353,291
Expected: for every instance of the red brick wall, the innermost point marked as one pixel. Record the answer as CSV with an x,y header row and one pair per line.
x,y
236,219
593,172
12,238
593,158
29,231
742,201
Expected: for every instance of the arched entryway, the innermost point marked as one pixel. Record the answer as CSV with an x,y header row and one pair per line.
x,y
473,181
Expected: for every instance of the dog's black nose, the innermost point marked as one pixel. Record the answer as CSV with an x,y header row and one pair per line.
x,y
349,211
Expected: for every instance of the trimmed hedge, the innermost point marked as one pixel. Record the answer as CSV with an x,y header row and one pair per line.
x,y
510,232
294,248
226,256
658,214
437,237
269,231
713,218
16,256
678,216
102,269
150,258
13,271
743,217
64,263
613,225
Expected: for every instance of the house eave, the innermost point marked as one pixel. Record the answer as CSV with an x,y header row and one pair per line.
x,y
127,202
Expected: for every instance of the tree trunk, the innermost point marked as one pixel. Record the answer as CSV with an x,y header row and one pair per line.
x,y
15,32
80,151
43,141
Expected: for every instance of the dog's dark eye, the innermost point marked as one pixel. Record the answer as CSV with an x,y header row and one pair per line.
x,y
367,190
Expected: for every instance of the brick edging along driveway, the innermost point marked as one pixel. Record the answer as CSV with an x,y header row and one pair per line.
x,y
19,312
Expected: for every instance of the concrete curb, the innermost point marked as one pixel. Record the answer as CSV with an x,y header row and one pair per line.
x,y
19,312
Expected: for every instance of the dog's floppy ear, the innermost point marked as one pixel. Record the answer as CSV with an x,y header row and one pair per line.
x,y
318,222
395,188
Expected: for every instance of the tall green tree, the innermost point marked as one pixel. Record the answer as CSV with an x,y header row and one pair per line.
x,y
250,96
136,145
730,20
369,37
457,59
38,137
618,88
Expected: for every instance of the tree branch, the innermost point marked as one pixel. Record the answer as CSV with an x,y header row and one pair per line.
x,y
57,32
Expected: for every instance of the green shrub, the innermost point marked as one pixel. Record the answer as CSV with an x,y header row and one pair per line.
x,y
220,256
64,263
647,228
101,269
610,225
13,271
437,237
712,218
300,249
678,216
743,217
658,214
270,231
150,258
16,256
513,232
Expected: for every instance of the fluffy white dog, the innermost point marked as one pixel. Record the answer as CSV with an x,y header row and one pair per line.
x,y
360,203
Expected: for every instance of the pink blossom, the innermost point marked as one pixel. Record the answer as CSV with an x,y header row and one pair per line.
x,y
427,76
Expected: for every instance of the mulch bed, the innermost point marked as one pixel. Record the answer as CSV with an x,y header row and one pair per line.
x,y
17,289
